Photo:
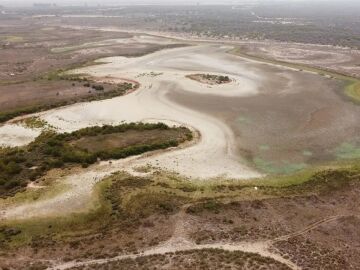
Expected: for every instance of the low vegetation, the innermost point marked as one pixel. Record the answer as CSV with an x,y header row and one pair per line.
x,y
211,259
51,150
308,255
210,78
101,91
35,122
352,89
131,206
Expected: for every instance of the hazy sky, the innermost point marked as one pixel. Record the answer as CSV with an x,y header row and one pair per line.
x,y
129,2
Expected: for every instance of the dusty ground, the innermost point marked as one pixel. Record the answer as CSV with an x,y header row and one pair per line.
x,y
44,92
268,119
316,229
42,51
342,60
255,124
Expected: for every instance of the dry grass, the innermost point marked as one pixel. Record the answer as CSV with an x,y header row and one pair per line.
x,y
131,137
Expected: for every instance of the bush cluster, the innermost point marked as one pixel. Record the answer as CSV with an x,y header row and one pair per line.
x,y
217,78
51,150
98,87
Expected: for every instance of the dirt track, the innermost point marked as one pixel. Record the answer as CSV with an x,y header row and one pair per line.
x,y
179,242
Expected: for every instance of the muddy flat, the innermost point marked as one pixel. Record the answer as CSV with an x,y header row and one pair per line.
x,y
268,120
273,119
169,148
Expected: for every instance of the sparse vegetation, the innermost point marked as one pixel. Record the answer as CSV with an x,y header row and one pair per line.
x,y
118,90
35,122
210,78
308,254
212,259
129,206
51,150
306,211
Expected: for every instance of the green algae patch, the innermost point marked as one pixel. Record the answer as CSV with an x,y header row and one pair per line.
x,y
347,151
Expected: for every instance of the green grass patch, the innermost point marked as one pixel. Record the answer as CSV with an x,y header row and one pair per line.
x,y
35,122
347,151
353,89
46,231
123,202
49,190
275,168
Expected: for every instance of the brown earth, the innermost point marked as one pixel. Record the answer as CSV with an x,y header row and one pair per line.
x,y
315,228
41,92
210,259
35,55
131,137
342,60
29,65
314,225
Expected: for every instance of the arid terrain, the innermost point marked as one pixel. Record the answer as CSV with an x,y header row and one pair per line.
x,y
158,149
34,56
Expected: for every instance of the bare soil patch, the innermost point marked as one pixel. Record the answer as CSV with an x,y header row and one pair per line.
x,y
312,224
32,53
48,95
35,52
342,60
145,213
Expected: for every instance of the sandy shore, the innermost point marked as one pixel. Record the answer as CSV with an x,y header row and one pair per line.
x,y
12,135
214,155
273,97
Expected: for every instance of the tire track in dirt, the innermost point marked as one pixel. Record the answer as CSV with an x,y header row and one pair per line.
x,y
180,242
308,228
261,248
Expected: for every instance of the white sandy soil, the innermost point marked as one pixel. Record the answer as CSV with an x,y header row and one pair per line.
x,y
12,135
159,73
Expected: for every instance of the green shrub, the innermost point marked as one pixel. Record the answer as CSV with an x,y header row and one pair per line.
x,y
98,87
51,150
12,168
10,184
